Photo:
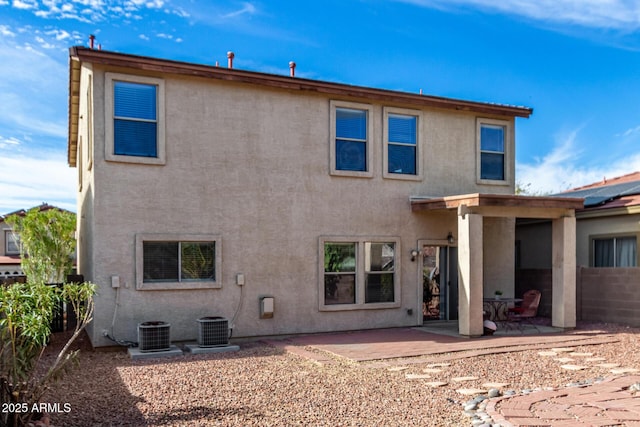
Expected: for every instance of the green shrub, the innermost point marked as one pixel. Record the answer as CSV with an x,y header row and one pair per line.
x,y
26,312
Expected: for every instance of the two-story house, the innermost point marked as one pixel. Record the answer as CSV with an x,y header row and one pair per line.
x,y
203,190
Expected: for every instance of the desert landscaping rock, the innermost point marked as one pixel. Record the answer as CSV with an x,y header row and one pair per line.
x,y
436,384
495,385
398,368
471,391
573,367
464,379
580,354
262,385
418,376
608,365
563,349
624,370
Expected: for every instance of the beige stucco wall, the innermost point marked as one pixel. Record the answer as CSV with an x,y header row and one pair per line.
x,y
252,164
602,227
499,256
535,238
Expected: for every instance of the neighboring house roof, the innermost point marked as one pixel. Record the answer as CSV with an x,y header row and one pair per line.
x,y
79,54
9,260
43,207
619,192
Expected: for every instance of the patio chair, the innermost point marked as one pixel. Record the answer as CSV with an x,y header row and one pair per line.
x,y
526,311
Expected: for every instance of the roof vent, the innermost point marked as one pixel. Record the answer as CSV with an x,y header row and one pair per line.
x,y
230,56
292,69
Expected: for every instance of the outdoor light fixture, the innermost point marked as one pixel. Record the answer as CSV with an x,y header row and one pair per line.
x,y
414,254
450,238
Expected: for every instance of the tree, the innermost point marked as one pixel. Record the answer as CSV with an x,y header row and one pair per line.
x,y
47,243
26,311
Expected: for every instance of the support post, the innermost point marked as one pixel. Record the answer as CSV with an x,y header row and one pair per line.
x,y
470,272
563,305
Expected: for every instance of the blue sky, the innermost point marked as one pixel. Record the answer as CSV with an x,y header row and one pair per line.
x,y
575,62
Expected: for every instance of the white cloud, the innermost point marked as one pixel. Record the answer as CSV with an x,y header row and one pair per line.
x,y
9,141
33,90
6,31
27,181
93,11
565,168
247,8
25,4
608,14
629,132
58,34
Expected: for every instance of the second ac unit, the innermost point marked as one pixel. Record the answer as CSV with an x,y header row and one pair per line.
x,y
213,331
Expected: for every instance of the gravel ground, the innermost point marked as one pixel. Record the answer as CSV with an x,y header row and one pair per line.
x,y
261,385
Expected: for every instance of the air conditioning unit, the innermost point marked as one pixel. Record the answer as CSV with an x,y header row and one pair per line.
x,y
154,336
213,331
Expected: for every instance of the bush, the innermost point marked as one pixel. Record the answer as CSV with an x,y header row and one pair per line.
x,y
26,312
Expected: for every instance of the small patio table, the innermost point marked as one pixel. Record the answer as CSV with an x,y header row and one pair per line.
x,y
498,307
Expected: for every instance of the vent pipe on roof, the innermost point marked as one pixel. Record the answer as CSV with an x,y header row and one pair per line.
x,y
92,39
292,69
230,56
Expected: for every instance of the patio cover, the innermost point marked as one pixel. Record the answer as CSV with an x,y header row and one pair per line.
x,y
471,209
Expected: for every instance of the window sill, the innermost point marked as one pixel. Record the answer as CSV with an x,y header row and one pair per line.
x,y
352,307
177,286
493,182
352,174
135,159
401,176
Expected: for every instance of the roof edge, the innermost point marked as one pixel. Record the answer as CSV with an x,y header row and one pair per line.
x,y
85,54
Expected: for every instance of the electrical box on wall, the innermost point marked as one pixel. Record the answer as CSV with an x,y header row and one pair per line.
x,y
266,307
115,281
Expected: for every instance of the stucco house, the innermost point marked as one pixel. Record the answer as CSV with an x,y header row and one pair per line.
x,y
607,233
291,205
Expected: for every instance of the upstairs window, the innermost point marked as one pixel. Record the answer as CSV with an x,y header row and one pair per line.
x,y
493,156
401,146
615,252
134,119
492,152
350,139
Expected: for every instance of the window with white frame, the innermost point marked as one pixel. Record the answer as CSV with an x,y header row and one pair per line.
x,y
350,145
359,273
493,143
165,261
620,251
401,144
11,243
135,119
